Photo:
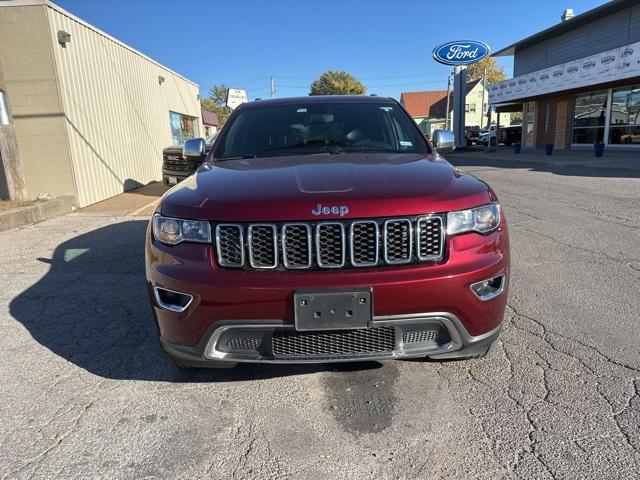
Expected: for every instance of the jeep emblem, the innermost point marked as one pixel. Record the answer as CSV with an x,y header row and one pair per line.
x,y
341,210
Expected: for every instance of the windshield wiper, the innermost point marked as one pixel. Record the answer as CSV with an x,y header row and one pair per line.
x,y
364,148
308,143
238,157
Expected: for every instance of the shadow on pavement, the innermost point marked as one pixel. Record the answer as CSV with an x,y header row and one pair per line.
x,y
92,309
476,160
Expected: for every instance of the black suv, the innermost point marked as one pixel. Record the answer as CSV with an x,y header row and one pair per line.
x,y
176,167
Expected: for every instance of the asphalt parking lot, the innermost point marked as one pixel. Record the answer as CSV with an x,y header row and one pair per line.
x,y
86,392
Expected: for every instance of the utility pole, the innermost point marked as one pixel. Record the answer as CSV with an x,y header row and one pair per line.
x,y
484,89
11,179
446,115
459,98
273,88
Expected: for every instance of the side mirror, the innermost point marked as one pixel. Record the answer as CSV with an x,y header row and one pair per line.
x,y
444,141
194,147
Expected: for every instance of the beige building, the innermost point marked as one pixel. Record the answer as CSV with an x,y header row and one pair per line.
x,y
91,114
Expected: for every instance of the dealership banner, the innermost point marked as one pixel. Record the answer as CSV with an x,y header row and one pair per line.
x,y
616,64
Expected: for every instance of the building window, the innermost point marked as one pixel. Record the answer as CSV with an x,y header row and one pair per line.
x,y
547,117
589,117
470,107
529,124
466,107
625,116
183,127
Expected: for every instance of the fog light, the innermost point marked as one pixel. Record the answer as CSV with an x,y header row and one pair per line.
x,y
488,289
171,300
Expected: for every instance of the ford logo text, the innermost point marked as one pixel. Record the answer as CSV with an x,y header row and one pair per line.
x,y
461,52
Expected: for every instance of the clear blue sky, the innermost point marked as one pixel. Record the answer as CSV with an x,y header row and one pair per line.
x,y
385,43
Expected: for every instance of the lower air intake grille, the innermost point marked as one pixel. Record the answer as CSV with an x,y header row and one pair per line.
x,y
331,343
424,336
241,343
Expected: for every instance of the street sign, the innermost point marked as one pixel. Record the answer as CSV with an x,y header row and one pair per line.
x,y
236,97
461,52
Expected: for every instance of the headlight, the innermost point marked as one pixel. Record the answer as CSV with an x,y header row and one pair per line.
x,y
483,219
174,230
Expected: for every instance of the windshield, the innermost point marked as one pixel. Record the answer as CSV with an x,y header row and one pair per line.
x,y
320,128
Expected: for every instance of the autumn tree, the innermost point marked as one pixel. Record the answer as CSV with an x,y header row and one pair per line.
x,y
217,103
495,73
337,83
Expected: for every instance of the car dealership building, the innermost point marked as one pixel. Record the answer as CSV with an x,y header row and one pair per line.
x,y
91,114
578,82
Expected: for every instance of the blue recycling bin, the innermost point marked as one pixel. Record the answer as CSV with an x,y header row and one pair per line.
x,y
548,149
599,148
517,147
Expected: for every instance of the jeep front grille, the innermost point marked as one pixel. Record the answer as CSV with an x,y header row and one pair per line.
x,y
331,244
177,163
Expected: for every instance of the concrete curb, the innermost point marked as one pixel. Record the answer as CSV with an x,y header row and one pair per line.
x,y
37,213
602,165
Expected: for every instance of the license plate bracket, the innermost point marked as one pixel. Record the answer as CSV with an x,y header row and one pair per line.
x,y
333,309
173,180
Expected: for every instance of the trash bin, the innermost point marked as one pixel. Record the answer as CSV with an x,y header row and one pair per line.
x,y
517,147
548,149
599,148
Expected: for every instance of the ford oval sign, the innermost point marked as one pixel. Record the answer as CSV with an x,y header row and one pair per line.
x,y
461,52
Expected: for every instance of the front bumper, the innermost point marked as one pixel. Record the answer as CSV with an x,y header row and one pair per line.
x,y
168,176
262,301
435,335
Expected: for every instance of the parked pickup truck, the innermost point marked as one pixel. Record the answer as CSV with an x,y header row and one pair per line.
x,y
176,167
506,135
326,229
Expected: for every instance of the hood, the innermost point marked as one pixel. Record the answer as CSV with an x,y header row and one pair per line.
x,y
293,187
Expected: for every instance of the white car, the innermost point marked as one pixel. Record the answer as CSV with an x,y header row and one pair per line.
x,y
484,136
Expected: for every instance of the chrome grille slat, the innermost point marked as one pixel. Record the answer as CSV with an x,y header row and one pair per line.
x,y
364,242
230,245
331,244
262,240
398,242
296,245
429,238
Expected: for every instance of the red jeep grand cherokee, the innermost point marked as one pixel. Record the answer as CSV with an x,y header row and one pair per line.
x,y
326,229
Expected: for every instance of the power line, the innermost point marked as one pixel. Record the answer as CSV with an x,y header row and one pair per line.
x,y
407,84
403,76
243,81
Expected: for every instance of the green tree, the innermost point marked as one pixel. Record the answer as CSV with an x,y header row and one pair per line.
x,y
217,103
495,73
337,83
